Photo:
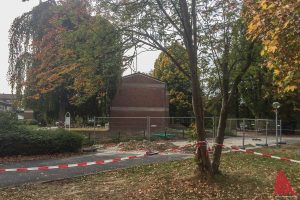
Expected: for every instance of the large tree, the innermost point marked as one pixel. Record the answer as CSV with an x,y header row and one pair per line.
x,y
206,29
155,25
257,91
179,86
276,24
231,54
74,58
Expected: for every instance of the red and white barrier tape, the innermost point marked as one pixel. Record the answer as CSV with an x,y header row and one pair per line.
x,y
265,155
114,160
66,166
235,148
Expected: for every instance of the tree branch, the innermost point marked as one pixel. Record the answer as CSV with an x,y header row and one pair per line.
x,y
239,77
168,16
158,46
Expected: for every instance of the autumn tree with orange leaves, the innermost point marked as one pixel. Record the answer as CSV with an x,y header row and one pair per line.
x,y
66,60
276,24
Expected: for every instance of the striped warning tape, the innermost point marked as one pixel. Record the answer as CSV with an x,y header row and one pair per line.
x,y
114,160
66,166
265,155
236,148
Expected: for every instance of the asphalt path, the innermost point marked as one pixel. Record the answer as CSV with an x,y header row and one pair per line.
x,y
20,178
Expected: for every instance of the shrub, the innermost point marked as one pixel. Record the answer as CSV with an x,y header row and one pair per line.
x,y
78,121
36,142
8,120
30,122
17,139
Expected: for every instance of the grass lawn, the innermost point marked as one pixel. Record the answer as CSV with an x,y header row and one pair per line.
x,y
243,177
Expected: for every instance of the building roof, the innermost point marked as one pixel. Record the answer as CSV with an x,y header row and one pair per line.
x,y
6,97
5,103
144,75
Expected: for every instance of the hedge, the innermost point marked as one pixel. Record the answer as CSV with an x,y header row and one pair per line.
x,y
27,142
18,140
8,121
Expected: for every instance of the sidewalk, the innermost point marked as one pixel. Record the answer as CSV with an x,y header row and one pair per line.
x,y
238,141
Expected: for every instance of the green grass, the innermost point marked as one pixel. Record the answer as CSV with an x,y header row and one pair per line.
x,y
244,176
290,151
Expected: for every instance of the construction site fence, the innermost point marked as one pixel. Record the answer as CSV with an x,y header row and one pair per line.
x,y
118,129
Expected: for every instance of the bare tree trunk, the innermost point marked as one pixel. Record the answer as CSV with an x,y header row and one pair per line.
x,y
237,102
220,137
189,22
223,113
226,99
62,107
202,157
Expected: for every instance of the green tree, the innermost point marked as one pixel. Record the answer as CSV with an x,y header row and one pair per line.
x,y
156,25
231,54
205,29
179,86
258,91
276,25
73,59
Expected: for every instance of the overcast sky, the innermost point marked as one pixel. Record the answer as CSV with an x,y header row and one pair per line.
x,y
10,9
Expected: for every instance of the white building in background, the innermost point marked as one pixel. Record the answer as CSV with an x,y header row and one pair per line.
x,y
6,101
6,104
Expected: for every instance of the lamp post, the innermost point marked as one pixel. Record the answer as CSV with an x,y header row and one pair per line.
x,y
276,105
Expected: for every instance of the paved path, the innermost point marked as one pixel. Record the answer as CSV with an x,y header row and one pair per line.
x,y
19,178
238,141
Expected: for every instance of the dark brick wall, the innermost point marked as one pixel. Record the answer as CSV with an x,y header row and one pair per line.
x,y
28,114
138,96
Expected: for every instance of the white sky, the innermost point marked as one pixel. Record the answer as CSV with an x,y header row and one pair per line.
x,y
10,9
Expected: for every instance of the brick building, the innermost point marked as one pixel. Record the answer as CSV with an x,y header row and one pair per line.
x,y
138,97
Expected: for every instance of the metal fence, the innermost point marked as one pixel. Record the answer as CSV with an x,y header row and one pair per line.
x,y
117,129
261,130
251,127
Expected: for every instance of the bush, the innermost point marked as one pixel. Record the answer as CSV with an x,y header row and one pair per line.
x,y
78,121
25,142
8,121
18,139
30,122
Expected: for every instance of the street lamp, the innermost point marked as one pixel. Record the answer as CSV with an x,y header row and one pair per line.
x,y
276,105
